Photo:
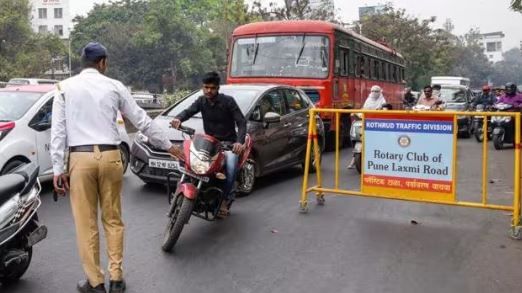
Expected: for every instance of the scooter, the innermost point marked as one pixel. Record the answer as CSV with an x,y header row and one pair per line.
x,y
356,137
503,127
199,191
19,227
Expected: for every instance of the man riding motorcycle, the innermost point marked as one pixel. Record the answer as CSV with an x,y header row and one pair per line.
x,y
511,97
486,98
221,115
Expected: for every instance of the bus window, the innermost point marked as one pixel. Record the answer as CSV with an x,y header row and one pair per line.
x,y
362,66
385,71
353,63
376,69
344,62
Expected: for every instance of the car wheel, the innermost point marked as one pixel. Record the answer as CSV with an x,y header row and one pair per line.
x,y
125,157
10,166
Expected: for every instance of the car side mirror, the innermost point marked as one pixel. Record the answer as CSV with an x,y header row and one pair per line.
x,y
272,117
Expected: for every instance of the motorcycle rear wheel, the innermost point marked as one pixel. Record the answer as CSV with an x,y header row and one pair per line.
x,y
15,274
479,135
176,222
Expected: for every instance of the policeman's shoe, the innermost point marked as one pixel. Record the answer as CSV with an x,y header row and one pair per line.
x,y
85,287
117,286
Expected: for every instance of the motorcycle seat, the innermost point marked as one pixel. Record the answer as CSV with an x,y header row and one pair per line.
x,y
30,173
10,185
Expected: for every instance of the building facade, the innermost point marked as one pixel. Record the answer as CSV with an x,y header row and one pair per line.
x,y
51,16
492,45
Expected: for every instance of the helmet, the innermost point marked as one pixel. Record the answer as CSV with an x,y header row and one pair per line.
x,y
511,88
486,88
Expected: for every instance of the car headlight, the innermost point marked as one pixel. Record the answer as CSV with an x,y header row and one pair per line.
x,y
140,137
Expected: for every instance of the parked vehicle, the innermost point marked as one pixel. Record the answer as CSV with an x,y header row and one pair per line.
x,y
335,66
19,227
451,80
200,190
458,98
277,121
478,123
503,127
25,129
30,81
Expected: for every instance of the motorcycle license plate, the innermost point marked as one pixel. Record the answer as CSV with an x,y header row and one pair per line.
x,y
496,131
358,147
164,164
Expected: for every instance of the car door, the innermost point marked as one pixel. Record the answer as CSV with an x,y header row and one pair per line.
x,y
41,124
297,121
270,139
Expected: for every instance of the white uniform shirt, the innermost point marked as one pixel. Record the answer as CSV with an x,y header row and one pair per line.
x,y
85,111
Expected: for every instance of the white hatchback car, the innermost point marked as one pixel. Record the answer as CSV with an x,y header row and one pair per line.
x,y
25,129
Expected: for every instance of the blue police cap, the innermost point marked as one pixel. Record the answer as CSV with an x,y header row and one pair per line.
x,y
93,50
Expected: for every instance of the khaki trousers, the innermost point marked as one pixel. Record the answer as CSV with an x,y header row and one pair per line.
x,y
96,177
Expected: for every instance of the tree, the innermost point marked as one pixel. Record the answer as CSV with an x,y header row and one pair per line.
x,y
22,52
295,9
509,69
516,5
413,38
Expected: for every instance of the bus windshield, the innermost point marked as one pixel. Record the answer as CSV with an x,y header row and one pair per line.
x,y
281,56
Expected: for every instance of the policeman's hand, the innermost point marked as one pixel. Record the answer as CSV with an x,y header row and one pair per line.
x,y
175,123
176,152
237,148
61,184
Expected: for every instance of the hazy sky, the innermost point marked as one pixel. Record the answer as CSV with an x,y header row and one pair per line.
x,y
487,15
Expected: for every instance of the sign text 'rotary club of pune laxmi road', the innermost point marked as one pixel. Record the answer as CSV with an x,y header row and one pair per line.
x,y
409,157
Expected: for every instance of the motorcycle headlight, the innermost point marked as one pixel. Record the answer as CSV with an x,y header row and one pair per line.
x,y
506,119
461,117
198,166
199,162
140,137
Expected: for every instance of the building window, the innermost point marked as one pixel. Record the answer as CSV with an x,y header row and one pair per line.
x,y
58,13
499,46
491,47
42,29
58,29
42,13
490,56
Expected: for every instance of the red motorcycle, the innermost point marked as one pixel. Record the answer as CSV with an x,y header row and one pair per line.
x,y
199,191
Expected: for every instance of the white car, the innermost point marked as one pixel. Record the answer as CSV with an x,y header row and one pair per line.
x,y
25,129
29,81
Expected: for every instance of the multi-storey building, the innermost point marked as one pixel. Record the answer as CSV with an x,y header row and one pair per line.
x,y
51,16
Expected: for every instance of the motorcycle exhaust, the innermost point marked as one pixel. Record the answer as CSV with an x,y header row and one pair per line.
x,y
37,235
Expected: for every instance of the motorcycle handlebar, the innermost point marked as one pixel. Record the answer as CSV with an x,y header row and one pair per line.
x,y
187,130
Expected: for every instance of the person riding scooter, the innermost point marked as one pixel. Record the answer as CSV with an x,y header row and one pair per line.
x,y
374,101
504,127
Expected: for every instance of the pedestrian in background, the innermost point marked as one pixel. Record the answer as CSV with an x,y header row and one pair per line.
x,y
84,119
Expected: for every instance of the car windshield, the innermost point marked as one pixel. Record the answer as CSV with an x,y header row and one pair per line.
x,y
281,56
244,98
453,95
13,105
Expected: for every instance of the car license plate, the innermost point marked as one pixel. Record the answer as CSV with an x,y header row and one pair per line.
x,y
164,164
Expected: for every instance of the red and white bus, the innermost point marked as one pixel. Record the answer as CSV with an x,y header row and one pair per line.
x,y
336,67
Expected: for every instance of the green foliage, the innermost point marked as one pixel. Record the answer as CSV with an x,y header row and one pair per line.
x,y
22,52
508,70
162,44
295,9
171,99
516,5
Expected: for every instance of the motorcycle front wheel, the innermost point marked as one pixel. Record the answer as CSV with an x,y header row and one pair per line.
x,y
177,221
16,271
498,141
479,135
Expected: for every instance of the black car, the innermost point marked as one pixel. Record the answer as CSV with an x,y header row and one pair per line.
x,y
278,144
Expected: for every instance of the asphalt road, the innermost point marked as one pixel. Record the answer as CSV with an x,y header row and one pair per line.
x,y
351,244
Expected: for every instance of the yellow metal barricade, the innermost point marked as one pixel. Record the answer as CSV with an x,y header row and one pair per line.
x,y
428,197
